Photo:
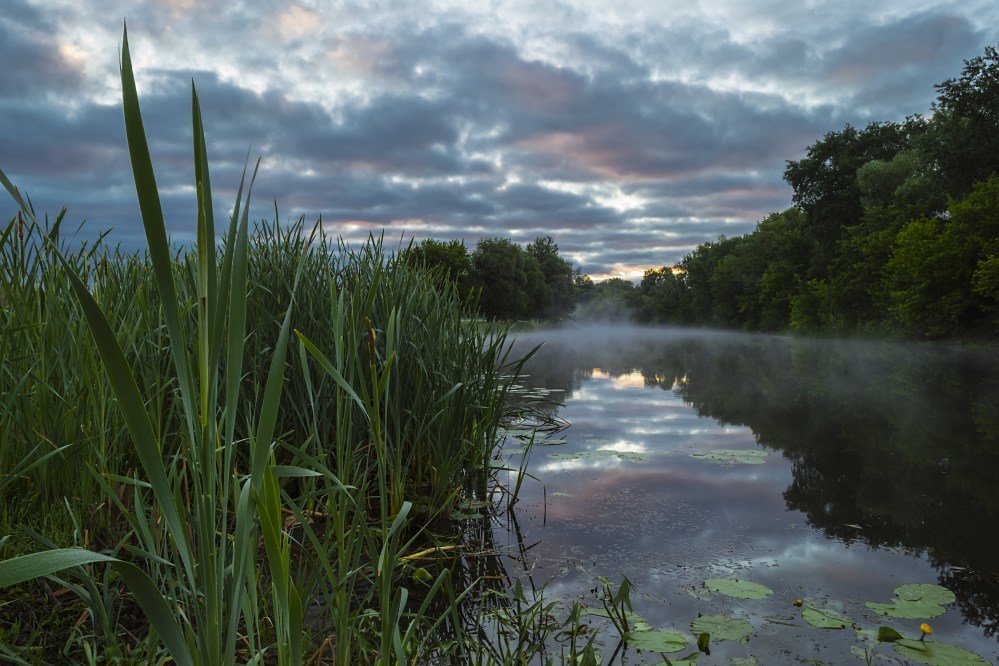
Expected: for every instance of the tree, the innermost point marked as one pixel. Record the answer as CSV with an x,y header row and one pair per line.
x,y
558,298
664,296
964,143
825,180
449,258
941,268
507,278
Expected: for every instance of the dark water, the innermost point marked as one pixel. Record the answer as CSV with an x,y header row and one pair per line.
x,y
882,468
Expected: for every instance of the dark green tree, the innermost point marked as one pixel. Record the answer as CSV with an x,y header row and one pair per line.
x,y
450,259
825,180
507,279
558,297
964,143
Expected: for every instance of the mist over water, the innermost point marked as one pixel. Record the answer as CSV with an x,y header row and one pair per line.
x,y
880,469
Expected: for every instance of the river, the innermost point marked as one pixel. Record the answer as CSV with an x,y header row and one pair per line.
x,y
827,471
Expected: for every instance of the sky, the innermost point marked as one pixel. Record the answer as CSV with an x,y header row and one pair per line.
x,y
628,130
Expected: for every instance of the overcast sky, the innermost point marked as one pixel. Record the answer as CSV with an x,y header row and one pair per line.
x,y
629,130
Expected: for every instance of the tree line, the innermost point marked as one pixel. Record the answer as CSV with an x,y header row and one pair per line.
x,y
500,279
894,229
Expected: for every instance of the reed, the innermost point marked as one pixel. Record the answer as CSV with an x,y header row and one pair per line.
x,y
241,435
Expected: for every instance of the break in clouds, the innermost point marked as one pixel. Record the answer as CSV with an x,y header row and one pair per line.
x,y
629,133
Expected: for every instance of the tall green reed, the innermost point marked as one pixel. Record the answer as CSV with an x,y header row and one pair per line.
x,y
193,579
204,438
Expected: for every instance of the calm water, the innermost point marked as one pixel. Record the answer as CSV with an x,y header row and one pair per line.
x,y
882,468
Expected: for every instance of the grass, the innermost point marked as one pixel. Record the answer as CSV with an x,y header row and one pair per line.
x,y
237,453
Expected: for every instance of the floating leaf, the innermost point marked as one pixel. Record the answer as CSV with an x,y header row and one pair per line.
x,y
909,610
599,453
688,660
736,587
635,621
744,661
915,601
935,653
559,493
734,456
661,640
630,455
925,592
722,628
825,618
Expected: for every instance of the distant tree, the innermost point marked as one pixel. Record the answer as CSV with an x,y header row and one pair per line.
x,y
612,300
507,279
558,297
664,296
449,258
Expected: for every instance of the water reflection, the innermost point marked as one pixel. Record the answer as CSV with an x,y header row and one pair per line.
x,y
882,469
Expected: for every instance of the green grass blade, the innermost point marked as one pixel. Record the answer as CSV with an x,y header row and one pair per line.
x,y
28,567
134,412
152,221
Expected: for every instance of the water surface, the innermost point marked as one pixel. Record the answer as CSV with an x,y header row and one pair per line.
x,y
881,468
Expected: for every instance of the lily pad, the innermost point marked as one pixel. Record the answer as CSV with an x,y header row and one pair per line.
x,y
660,640
736,587
925,592
689,660
915,601
636,623
559,493
630,455
825,618
733,456
909,610
935,653
744,661
599,453
722,628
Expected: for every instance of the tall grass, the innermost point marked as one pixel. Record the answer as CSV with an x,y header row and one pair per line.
x,y
241,436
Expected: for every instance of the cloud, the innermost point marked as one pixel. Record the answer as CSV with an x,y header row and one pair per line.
x,y
630,133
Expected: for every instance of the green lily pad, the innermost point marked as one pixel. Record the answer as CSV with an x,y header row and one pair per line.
x,y
660,640
630,455
636,623
916,601
736,587
744,661
925,592
722,628
825,618
688,660
935,653
909,610
579,455
599,453
734,456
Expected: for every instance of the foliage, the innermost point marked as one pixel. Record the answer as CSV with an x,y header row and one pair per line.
x,y
893,231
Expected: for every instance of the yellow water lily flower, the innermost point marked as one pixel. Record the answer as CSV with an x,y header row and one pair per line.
x,y
926,629
797,603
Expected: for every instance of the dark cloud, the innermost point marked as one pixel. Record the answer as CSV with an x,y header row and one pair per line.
x,y
631,140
